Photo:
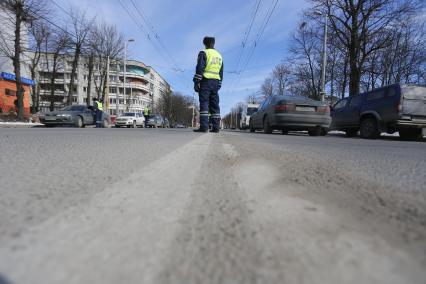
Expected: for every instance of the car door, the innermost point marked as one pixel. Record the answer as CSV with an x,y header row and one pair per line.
x,y
88,116
139,119
338,113
351,118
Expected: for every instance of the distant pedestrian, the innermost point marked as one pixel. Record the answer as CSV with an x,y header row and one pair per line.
x,y
146,115
99,110
207,83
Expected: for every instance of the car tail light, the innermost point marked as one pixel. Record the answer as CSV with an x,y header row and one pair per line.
x,y
323,109
284,107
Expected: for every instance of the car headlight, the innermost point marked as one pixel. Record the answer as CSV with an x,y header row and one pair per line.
x,y
64,115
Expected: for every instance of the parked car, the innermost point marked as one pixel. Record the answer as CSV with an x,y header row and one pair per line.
x,y
291,113
388,109
77,115
130,119
248,110
179,125
155,121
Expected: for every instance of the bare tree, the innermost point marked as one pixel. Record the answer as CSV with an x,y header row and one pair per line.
x,y
305,56
267,88
19,13
280,76
57,44
361,26
40,33
81,27
109,46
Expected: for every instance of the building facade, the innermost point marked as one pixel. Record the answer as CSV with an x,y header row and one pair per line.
x,y
139,86
7,77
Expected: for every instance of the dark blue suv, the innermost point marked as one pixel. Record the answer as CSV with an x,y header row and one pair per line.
x,y
388,109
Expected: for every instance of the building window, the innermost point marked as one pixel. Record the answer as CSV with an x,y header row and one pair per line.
x,y
84,89
112,90
113,78
10,93
85,77
74,99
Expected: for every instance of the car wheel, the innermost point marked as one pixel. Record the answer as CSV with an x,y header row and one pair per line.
x,y
117,126
324,131
351,132
284,132
315,132
411,134
105,123
78,122
267,129
369,128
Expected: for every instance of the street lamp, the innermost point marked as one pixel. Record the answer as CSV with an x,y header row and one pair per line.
x,y
324,54
124,72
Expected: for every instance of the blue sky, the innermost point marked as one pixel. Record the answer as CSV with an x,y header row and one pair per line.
x,y
181,26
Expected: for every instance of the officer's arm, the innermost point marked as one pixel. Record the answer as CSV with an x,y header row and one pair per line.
x,y
201,66
221,75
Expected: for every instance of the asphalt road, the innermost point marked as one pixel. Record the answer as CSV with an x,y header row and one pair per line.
x,y
172,206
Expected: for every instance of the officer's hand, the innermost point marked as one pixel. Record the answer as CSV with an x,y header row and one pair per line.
x,y
197,87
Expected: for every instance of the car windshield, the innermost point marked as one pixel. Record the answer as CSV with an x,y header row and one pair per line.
x,y
129,114
73,108
251,110
67,108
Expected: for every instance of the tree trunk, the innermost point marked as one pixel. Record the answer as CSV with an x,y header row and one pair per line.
x,y
17,61
52,84
89,79
73,72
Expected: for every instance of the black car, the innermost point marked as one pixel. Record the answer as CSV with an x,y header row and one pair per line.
x,y
388,109
291,113
77,115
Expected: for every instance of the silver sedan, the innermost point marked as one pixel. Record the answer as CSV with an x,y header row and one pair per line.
x,y
291,113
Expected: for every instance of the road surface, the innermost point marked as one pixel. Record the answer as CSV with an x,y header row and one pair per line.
x,y
172,206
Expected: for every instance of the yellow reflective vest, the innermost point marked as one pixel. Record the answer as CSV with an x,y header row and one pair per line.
x,y
100,106
214,64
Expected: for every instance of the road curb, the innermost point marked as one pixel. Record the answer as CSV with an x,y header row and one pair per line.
x,y
19,125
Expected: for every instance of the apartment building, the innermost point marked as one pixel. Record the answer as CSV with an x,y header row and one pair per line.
x,y
142,87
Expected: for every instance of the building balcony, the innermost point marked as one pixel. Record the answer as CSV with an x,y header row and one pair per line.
x,y
47,93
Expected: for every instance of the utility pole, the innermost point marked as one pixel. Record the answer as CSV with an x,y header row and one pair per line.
x,y
117,93
106,102
125,71
324,55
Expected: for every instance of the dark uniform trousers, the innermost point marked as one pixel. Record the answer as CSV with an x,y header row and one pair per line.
x,y
209,103
99,118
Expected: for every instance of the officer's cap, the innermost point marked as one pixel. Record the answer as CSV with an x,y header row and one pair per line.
x,y
209,41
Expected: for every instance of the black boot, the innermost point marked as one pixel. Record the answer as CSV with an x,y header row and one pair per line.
x,y
201,130
215,130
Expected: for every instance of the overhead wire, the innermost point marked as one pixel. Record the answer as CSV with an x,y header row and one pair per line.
x,y
256,41
244,41
162,51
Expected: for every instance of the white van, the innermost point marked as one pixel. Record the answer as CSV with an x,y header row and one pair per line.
x,y
248,110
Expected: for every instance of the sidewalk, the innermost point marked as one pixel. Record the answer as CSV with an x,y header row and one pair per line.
x,y
17,124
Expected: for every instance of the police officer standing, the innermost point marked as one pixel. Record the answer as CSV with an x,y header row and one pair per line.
x,y
146,115
207,82
98,106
